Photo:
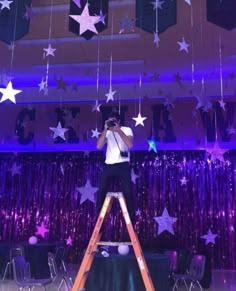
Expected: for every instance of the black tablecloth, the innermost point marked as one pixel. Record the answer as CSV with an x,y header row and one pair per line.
x,y
36,255
121,273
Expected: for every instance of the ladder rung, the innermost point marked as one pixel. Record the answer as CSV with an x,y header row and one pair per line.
x,y
115,243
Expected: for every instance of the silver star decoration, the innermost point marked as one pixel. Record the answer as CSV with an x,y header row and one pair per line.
x,y
96,107
139,120
42,85
138,212
188,1
87,192
77,2
110,95
222,103
203,102
126,23
209,237
216,153
183,181
9,93
156,38
231,130
165,222
49,51
183,45
102,17
5,4
157,4
86,21
134,177
29,12
15,170
152,145
95,133
59,131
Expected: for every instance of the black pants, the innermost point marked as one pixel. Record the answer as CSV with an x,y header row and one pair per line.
x,y
123,172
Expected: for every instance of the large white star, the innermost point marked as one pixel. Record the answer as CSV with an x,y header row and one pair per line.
x,y
110,95
49,51
183,45
87,192
86,21
59,131
139,120
95,133
9,93
5,4
165,222
209,237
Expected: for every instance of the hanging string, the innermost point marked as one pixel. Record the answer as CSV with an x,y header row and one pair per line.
x,y
156,18
13,40
49,40
140,85
111,53
221,79
192,52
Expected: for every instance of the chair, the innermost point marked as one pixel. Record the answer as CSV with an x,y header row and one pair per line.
x,y
13,253
22,276
60,256
195,273
62,274
172,256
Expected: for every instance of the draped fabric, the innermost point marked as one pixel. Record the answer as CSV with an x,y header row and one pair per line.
x,y
222,13
41,188
95,7
14,23
146,15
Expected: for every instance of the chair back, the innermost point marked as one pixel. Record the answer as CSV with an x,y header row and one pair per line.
x,y
14,252
52,266
172,259
20,269
197,267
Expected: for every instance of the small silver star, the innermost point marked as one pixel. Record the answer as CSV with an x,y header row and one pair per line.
x,y
95,133
59,131
222,103
49,51
183,45
110,95
157,4
156,38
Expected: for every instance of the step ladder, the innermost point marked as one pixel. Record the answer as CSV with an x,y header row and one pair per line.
x,y
81,277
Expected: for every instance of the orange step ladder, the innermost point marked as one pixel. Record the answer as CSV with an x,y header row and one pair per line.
x,y
81,277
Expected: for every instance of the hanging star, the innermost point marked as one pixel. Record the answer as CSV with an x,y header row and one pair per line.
x,y
102,17
155,77
165,222
183,181
110,95
9,93
29,12
216,152
203,102
42,85
178,78
87,192
69,241
231,130
209,237
139,120
95,133
156,38
49,51
222,103
152,145
157,4
59,131
77,2
126,23
74,87
5,4
41,230
86,21
183,45
96,107
61,84
138,212
15,170
134,177
188,2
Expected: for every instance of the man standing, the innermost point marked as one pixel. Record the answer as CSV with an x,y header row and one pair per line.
x,y
119,140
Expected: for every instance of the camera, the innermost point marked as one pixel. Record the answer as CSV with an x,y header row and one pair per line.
x,y
111,123
124,154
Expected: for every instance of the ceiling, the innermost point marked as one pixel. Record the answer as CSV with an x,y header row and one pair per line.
x,y
134,54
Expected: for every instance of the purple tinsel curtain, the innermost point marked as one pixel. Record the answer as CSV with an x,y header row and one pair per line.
x,y
43,187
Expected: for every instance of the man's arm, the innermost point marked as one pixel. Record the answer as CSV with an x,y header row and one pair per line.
x,y
102,139
128,140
